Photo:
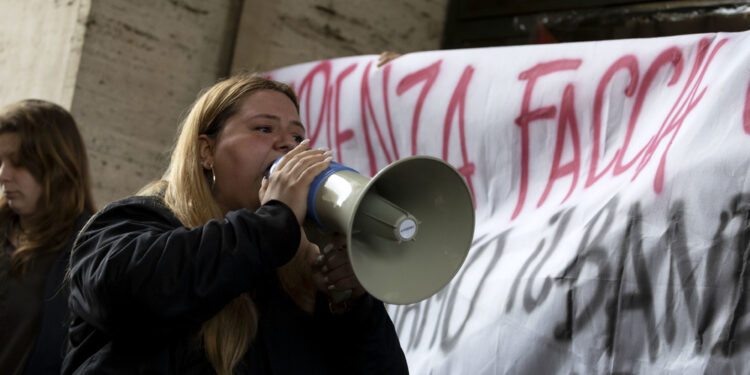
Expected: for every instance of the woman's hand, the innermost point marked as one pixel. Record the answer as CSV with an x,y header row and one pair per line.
x,y
386,57
291,178
334,276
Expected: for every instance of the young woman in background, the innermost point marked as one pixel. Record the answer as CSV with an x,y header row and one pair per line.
x,y
45,201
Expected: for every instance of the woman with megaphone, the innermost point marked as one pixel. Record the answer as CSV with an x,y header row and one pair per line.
x,y
208,270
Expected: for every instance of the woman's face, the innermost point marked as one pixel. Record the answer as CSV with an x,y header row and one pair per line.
x,y
265,127
20,189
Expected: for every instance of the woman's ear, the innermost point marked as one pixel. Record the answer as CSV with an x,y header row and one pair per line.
x,y
206,147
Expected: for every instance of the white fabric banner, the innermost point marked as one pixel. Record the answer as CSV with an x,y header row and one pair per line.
x,y
611,191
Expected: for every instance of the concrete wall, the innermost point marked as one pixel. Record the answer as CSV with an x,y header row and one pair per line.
x,y
277,33
129,69
40,46
143,63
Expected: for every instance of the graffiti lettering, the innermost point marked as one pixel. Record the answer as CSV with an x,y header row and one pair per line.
x,y
671,58
619,290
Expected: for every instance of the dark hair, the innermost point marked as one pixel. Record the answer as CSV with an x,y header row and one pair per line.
x,y
52,150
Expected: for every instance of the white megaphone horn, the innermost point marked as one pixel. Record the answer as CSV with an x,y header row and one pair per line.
x,y
408,229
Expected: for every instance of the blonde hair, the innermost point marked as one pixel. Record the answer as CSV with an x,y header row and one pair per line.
x,y
227,335
52,150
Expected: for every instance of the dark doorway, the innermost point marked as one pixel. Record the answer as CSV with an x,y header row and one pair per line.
x,y
485,23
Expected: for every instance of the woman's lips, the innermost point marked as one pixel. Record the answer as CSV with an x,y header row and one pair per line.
x,y
11,194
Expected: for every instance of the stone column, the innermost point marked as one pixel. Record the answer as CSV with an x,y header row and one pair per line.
x,y
142,64
40,48
126,69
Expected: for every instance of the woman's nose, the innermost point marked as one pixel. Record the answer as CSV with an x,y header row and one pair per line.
x,y
5,172
286,142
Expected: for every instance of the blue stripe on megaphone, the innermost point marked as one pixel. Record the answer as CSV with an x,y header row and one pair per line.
x,y
315,186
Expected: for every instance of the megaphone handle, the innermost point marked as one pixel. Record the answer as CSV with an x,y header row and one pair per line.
x,y
337,296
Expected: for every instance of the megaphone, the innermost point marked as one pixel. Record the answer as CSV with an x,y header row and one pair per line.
x,y
408,229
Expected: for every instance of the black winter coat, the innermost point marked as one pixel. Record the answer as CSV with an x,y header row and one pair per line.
x,y
46,356
142,284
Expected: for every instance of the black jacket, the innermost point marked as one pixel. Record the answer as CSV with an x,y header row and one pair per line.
x,y
142,284
49,346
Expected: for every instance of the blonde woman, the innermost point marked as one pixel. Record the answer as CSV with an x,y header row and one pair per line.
x,y
45,200
208,271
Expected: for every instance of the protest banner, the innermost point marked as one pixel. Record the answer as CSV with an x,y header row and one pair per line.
x,y
611,189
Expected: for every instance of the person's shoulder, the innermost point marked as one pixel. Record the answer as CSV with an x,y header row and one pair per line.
x,y
143,203
145,208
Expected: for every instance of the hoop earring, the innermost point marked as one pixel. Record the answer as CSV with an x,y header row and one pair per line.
x,y
213,176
